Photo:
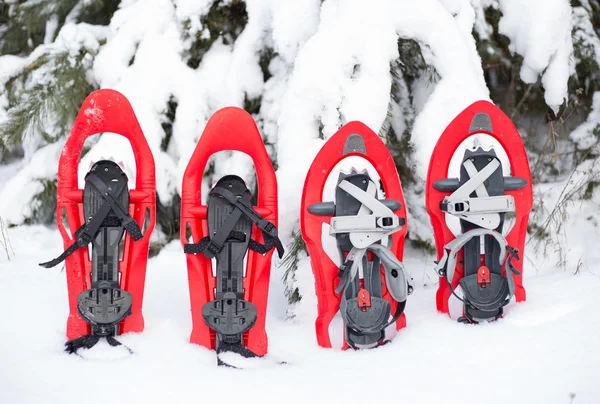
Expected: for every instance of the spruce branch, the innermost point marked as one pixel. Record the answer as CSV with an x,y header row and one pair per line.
x,y
26,27
290,262
23,24
32,66
48,106
224,21
43,203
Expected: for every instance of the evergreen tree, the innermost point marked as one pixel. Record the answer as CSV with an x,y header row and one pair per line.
x,y
55,52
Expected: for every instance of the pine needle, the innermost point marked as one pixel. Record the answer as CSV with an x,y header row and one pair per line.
x,y
48,109
290,262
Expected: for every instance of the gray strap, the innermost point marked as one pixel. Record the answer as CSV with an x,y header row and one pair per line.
x,y
481,191
354,257
491,219
483,210
397,285
475,181
447,263
452,248
370,201
364,228
479,206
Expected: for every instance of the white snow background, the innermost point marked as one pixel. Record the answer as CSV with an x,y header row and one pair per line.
x,y
545,350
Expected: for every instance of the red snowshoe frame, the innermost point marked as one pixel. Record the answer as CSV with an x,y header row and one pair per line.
x,y
106,111
507,135
229,128
324,269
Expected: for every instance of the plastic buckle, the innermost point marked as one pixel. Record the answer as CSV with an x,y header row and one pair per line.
x,y
84,239
387,222
454,207
364,299
212,250
514,252
267,227
346,265
483,276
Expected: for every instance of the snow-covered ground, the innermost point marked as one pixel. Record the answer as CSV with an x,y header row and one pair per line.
x,y
545,350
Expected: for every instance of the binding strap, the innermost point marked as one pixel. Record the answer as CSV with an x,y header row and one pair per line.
x,y
484,210
237,348
109,198
211,246
374,221
400,306
89,341
86,233
447,264
395,277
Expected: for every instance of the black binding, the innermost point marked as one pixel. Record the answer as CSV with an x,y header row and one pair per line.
x,y
105,206
86,233
487,301
362,328
211,246
230,218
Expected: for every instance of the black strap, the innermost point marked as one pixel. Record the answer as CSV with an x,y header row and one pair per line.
x,y
217,241
267,246
237,348
240,203
399,310
211,246
88,342
269,230
86,233
201,247
108,194
205,243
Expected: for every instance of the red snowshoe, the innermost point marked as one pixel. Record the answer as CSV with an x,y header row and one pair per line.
x,y
485,257
229,309
371,283
106,288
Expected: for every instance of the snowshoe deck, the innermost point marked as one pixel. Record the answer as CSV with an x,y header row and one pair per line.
x,y
106,289
228,310
104,305
482,259
359,222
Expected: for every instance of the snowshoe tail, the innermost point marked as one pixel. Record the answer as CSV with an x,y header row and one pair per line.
x,y
360,221
106,286
484,258
228,309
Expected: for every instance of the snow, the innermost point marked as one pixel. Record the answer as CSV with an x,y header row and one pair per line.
x,y
483,29
570,221
544,350
540,31
351,82
584,136
23,185
331,65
